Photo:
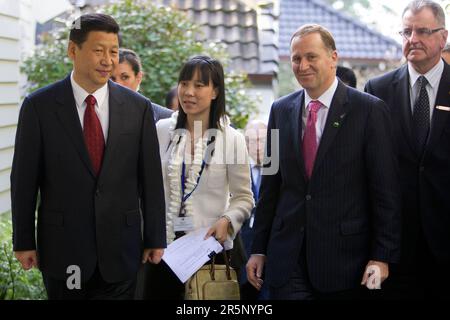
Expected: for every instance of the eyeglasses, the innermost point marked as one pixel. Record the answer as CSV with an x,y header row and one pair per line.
x,y
421,32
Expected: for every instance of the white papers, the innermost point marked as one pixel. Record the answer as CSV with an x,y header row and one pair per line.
x,y
189,253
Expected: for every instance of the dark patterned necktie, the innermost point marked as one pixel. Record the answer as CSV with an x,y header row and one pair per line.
x,y
421,116
93,134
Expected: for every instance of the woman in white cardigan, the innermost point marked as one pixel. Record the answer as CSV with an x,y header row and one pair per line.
x,y
205,162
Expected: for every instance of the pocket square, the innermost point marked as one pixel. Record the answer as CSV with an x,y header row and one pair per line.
x,y
443,108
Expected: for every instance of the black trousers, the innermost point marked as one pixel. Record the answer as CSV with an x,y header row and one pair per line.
x,y
160,283
424,277
96,288
299,287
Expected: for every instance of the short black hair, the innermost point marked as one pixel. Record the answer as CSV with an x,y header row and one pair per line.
x,y
210,70
346,75
128,55
91,22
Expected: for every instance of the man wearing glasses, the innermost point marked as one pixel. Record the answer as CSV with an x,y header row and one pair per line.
x,y
418,96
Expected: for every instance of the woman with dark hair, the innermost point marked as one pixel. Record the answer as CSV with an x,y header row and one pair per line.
x,y
205,163
128,73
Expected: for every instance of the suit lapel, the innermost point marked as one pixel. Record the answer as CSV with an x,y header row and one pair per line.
x,y
115,127
68,115
440,116
296,128
335,119
402,103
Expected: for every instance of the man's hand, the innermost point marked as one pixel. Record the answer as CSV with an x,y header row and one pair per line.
x,y
152,255
374,275
28,259
255,266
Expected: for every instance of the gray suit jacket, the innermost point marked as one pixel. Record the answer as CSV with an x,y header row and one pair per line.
x,y
160,112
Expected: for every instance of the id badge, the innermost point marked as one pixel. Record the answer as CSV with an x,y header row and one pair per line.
x,y
183,224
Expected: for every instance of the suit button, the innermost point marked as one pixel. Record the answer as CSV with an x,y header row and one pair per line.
x,y
308,197
97,192
422,168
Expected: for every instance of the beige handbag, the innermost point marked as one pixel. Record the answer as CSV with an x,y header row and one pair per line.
x,y
213,282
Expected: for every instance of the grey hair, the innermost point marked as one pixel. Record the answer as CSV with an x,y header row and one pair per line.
x,y
256,123
417,5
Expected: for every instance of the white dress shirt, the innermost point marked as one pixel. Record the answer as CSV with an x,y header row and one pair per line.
x,y
325,99
101,107
433,77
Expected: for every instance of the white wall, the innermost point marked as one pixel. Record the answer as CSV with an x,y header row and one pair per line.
x,y
265,97
16,35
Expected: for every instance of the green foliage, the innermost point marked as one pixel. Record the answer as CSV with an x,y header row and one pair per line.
x,y
49,63
237,96
15,283
163,37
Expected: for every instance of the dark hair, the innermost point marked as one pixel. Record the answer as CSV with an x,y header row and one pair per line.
x,y
346,75
128,55
170,95
91,22
210,70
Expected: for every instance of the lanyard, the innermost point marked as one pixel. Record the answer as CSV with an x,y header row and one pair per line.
x,y
183,182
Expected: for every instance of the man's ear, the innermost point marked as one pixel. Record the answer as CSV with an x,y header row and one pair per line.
x,y
71,49
444,38
139,76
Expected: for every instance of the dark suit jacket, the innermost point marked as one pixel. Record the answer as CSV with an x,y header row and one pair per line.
x,y
348,213
83,220
425,182
246,231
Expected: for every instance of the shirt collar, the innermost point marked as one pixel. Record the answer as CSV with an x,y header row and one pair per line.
x,y
326,97
433,76
80,94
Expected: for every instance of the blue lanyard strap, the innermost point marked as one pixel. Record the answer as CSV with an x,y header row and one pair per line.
x,y
183,181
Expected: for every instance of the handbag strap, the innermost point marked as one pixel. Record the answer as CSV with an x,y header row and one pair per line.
x,y
212,269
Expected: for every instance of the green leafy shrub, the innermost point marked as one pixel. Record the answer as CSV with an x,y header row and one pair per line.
x,y
15,283
163,37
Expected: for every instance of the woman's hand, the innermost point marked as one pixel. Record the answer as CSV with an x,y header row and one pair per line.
x,y
219,230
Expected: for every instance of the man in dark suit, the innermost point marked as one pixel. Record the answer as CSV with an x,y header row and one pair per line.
x,y
255,138
88,147
418,95
328,220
